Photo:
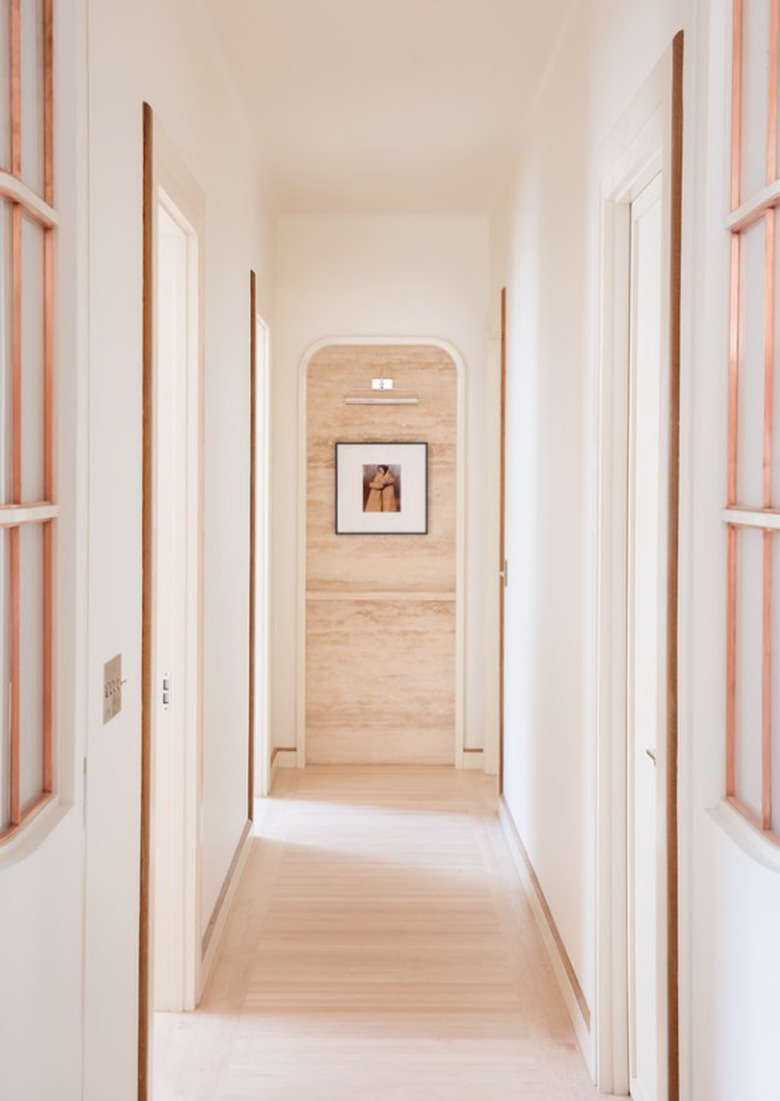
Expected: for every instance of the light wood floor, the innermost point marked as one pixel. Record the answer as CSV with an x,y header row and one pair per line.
x,y
380,949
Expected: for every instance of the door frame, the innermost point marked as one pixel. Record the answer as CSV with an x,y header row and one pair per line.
x,y
164,174
648,140
259,765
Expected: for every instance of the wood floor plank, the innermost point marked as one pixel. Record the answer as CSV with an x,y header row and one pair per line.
x,y
380,947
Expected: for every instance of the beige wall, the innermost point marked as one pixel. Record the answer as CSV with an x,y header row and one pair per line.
x,y
380,673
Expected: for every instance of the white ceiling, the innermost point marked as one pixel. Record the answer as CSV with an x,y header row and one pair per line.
x,y
386,106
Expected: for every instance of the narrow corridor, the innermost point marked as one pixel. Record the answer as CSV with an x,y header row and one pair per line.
x,y
380,949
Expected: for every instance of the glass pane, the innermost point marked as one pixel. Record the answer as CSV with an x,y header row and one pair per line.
x,y
31,12
750,589
5,678
750,400
6,389
31,655
755,95
32,361
5,85
776,381
776,684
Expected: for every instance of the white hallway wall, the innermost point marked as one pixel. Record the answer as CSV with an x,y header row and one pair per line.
x,y
162,53
545,241
378,277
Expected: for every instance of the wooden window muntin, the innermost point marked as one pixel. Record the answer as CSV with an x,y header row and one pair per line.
x,y
751,514
17,511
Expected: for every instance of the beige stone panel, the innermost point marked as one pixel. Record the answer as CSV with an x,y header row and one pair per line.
x,y
357,562
380,679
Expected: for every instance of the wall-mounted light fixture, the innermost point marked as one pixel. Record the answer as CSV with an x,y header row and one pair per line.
x,y
382,392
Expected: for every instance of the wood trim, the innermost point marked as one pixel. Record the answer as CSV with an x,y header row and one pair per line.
x,y
144,931
752,819
15,30
673,574
30,812
252,536
508,820
502,549
48,101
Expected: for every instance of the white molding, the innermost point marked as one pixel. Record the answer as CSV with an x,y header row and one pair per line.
x,y
752,842
18,192
550,937
32,832
216,927
752,518
460,531
754,207
16,515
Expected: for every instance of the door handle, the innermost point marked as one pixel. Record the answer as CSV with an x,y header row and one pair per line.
x,y
651,754
504,574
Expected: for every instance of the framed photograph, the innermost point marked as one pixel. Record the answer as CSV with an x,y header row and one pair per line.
x,y
381,488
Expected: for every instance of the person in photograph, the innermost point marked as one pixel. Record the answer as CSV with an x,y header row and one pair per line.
x,y
381,491
389,499
375,487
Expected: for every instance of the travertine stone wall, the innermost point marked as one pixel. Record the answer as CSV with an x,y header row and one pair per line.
x,y
380,626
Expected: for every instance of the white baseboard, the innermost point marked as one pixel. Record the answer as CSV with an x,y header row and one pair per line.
x,y
212,938
573,996
474,759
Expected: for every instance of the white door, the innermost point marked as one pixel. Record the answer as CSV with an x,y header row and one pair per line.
x,y
646,704
261,459
175,625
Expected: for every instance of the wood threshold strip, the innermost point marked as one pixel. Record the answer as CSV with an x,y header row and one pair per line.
x,y
568,966
144,931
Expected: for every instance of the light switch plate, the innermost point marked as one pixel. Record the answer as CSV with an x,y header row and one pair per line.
x,y
112,688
